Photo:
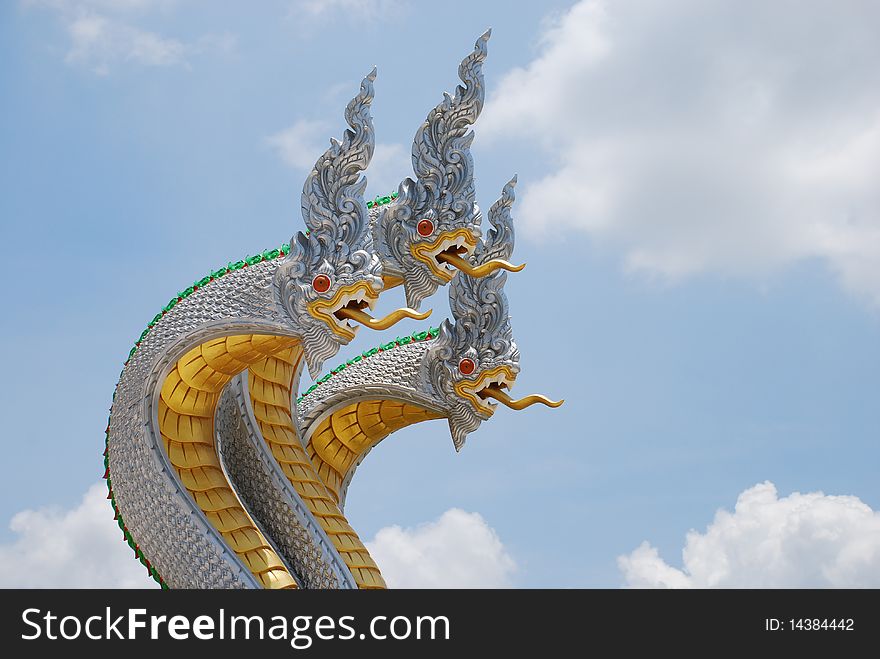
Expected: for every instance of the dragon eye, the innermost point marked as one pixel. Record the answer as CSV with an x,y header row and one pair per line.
x,y
466,366
321,283
425,228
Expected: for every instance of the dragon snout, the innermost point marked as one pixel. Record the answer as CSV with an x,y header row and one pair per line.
x,y
495,384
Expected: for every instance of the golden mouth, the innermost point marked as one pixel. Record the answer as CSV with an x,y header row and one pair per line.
x,y
494,384
449,253
454,243
349,303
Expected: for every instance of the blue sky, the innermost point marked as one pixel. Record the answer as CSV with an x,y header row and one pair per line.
x,y
697,205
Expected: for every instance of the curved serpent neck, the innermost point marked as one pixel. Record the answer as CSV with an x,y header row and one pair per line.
x,y
154,509
276,475
357,406
165,483
264,396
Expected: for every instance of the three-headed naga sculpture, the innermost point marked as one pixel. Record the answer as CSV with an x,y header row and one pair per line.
x,y
221,475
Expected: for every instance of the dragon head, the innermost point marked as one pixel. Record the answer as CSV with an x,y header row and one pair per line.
x,y
333,273
433,225
475,359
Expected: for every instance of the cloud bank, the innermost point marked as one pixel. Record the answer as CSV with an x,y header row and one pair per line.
x,y
105,34
809,540
350,10
728,138
77,548
82,547
458,550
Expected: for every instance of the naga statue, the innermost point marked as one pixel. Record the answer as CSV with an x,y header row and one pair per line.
x,y
221,475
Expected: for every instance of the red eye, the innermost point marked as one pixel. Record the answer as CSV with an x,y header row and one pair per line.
x,y
466,366
425,228
321,283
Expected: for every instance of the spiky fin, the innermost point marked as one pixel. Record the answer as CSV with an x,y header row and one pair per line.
x,y
443,190
479,306
441,147
500,238
333,204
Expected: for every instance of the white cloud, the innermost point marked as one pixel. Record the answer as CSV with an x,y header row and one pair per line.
x,y
360,10
120,6
705,138
81,547
800,541
302,144
98,42
458,550
104,34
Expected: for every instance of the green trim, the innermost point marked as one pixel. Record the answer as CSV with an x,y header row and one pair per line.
x,y
427,335
381,201
126,534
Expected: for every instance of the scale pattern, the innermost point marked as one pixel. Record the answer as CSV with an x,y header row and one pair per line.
x,y
270,387
146,488
295,533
